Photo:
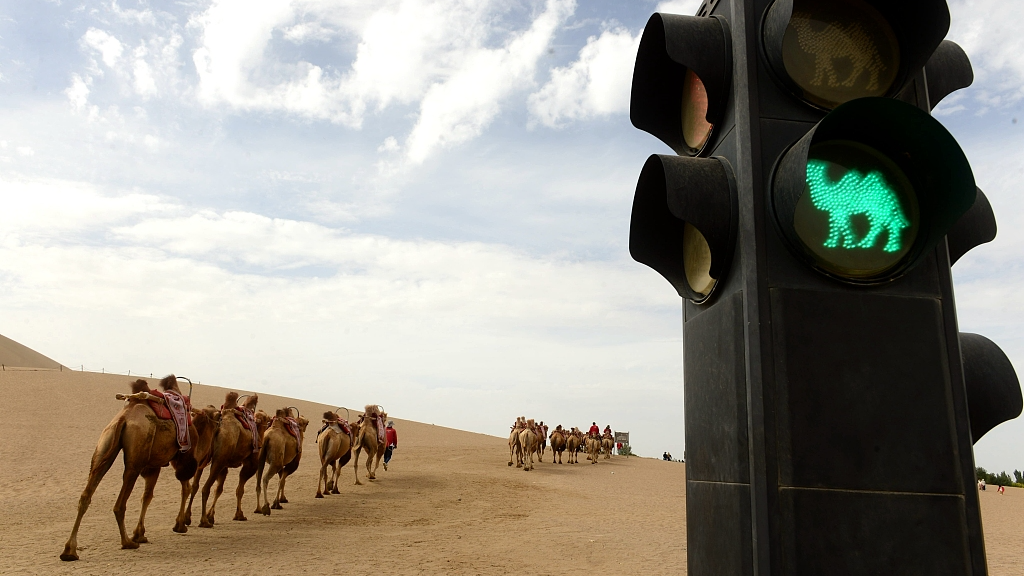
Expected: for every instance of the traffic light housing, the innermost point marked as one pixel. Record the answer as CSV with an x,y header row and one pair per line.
x,y
831,403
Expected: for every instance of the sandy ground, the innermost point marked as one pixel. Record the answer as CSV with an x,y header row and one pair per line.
x,y
448,505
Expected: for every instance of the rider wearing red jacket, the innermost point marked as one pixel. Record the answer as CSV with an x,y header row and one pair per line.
x,y
594,431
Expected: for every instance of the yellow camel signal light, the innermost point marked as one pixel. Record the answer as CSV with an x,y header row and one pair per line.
x,y
830,52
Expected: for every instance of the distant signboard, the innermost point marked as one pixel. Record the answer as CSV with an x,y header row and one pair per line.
x,y
622,437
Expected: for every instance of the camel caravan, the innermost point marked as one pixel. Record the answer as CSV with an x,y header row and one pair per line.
x,y
158,427
529,438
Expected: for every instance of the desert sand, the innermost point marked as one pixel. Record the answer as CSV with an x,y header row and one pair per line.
x,y
448,505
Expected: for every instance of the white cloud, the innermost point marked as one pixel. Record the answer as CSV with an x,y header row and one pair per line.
x,y
684,7
110,48
458,109
596,84
438,53
78,92
995,46
142,73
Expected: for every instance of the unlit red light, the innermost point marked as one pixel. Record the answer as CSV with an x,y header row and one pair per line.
x,y
696,128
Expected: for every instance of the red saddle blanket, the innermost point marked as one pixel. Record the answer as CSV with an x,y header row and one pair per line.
x,y
248,421
178,409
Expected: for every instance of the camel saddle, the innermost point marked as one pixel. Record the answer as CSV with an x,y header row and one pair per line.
x,y
340,426
293,428
382,436
248,421
178,409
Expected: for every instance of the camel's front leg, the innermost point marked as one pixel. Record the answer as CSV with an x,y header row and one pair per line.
x,y
248,471
150,475
121,505
180,523
221,478
194,490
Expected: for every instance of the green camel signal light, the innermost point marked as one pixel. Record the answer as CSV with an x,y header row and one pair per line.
x,y
856,193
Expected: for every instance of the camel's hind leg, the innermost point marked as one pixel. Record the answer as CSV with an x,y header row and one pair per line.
x,y
336,472
103,458
121,505
369,462
248,471
376,461
271,472
150,475
280,492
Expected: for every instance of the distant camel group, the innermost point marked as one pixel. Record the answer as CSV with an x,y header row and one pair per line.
x,y
529,438
152,434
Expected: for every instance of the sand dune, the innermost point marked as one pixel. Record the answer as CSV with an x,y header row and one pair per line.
x,y
13,354
449,504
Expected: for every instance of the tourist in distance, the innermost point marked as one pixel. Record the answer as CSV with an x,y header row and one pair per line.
x,y
391,439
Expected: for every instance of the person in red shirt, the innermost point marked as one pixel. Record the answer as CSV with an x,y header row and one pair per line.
x,y
391,439
594,430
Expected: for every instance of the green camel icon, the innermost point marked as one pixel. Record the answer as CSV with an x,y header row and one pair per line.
x,y
856,193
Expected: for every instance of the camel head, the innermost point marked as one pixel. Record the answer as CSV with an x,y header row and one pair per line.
x,y
303,422
140,385
230,401
202,417
262,421
250,402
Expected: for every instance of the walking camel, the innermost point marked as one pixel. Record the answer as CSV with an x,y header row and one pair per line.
x,y
607,443
530,443
557,444
149,443
593,449
369,437
282,446
515,450
334,444
572,444
237,443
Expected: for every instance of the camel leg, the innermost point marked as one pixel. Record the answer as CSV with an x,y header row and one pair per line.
x,y
322,479
211,513
248,471
100,465
204,520
274,469
180,525
194,490
121,505
355,466
150,475
280,492
337,475
369,463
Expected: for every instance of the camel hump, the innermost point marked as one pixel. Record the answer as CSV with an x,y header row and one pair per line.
x,y
140,385
330,416
170,382
230,400
281,413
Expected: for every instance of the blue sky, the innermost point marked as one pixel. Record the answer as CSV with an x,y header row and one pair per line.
x,y
418,203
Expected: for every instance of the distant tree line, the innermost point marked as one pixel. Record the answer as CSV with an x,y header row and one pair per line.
x,y
1001,479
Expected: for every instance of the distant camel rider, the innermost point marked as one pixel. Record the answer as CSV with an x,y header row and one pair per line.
x,y
608,429
391,438
594,432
